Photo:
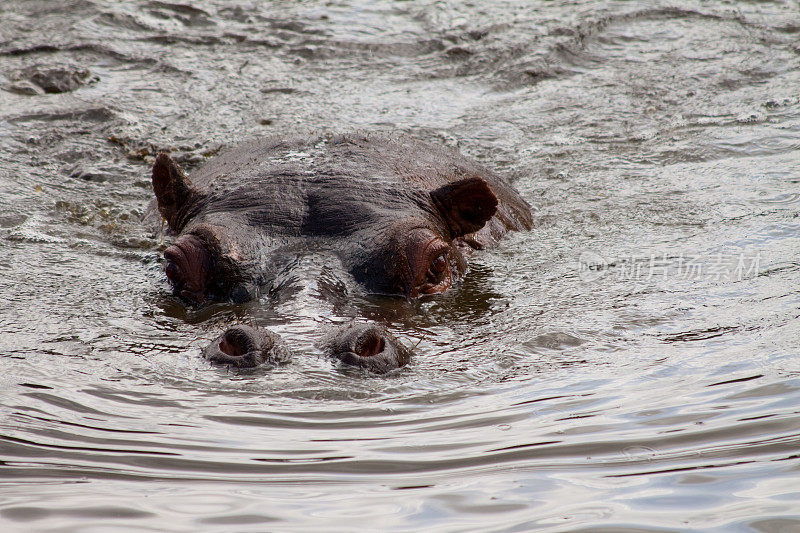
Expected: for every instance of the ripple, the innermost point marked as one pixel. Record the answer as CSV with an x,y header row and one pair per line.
x,y
540,397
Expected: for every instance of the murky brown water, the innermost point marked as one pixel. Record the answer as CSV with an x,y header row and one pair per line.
x,y
631,364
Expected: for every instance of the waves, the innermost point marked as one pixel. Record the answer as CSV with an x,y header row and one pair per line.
x,y
643,397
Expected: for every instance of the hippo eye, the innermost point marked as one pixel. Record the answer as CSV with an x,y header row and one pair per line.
x,y
425,263
438,268
438,277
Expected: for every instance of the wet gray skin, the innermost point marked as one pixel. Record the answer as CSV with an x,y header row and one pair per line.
x,y
401,215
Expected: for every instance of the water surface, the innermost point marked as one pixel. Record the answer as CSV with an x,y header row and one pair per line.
x,y
631,364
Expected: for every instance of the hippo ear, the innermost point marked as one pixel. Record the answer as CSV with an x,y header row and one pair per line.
x,y
172,188
466,205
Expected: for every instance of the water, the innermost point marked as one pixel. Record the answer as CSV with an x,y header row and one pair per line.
x,y
629,365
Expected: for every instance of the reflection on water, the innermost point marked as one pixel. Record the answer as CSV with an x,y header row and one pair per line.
x,y
630,364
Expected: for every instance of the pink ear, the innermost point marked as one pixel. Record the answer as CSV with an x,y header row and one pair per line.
x,y
466,205
172,190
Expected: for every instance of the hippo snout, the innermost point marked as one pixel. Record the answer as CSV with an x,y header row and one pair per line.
x,y
247,347
363,345
368,346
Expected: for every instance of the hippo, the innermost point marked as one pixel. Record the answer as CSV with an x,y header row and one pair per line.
x,y
400,214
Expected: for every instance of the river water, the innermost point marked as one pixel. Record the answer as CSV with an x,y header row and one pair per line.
x,y
631,364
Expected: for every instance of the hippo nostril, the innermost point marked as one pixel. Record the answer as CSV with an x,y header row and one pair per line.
x,y
228,348
367,346
372,344
238,341
247,347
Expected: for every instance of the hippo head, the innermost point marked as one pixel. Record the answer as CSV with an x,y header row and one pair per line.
x,y
399,215
395,238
